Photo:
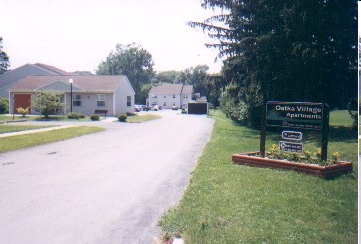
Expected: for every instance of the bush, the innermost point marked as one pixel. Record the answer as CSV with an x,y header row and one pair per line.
x,y
352,108
122,117
23,111
94,117
4,105
76,116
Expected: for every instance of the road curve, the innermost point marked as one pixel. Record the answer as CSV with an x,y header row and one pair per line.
x,y
107,187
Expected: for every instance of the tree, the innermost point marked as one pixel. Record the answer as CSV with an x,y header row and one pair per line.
x,y
162,77
4,105
291,50
4,59
132,61
47,103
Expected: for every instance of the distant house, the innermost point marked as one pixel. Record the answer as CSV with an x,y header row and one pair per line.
x,y
8,78
169,95
90,92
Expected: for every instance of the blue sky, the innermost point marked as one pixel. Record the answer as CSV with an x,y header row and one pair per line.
x,y
78,34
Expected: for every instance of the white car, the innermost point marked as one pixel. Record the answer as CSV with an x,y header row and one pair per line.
x,y
138,108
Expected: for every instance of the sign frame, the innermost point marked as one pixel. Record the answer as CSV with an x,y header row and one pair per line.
x,y
309,108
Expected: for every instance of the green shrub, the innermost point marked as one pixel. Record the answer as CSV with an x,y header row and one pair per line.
x,y
94,117
122,117
4,105
72,116
76,116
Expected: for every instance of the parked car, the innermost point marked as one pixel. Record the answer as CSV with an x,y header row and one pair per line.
x,y
155,108
140,107
174,107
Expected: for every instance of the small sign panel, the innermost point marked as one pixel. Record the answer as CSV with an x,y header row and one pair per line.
x,y
291,147
292,135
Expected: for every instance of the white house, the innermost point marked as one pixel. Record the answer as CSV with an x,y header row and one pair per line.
x,y
169,95
89,92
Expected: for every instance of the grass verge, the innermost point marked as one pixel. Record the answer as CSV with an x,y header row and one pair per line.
x,y
6,128
228,203
142,118
30,140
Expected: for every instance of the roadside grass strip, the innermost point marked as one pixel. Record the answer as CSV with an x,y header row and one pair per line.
x,y
229,203
30,140
142,118
6,128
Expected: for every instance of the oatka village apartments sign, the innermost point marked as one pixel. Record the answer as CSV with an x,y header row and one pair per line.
x,y
296,116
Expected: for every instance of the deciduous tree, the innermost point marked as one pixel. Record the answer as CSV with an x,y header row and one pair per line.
x,y
47,103
131,60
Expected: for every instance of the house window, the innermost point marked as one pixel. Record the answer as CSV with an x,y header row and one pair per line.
x,y
165,104
165,96
173,96
76,100
129,101
101,100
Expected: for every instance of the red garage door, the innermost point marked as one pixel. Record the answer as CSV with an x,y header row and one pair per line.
x,y
22,100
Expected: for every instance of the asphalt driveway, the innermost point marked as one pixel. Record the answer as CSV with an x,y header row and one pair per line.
x,y
108,187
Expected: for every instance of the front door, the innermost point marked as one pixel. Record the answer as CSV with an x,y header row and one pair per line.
x,y
22,100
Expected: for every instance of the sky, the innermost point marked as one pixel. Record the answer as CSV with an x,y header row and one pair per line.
x,y
76,35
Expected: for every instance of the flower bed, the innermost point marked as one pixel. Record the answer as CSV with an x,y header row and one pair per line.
x,y
327,172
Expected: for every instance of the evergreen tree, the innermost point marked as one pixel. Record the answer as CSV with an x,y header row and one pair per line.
x,y
291,50
4,59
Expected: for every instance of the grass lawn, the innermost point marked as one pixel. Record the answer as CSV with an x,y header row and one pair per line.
x,y
142,118
6,128
229,203
30,140
41,118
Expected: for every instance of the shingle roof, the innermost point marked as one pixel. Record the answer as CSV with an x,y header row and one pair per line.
x,y
187,89
169,89
10,77
52,69
86,83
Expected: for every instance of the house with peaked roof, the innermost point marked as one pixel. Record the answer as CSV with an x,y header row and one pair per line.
x,y
169,95
89,93
8,78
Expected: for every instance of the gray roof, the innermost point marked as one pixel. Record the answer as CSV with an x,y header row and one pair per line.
x,y
10,77
84,83
171,89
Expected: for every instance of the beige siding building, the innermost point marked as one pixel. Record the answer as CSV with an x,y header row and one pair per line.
x,y
169,95
89,92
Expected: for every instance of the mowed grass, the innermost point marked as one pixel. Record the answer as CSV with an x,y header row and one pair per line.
x,y
30,140
6,128
228,203
142,118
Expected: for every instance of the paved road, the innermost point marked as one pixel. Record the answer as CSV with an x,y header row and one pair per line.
x,y
108,187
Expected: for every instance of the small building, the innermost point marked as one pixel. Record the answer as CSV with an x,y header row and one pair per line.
x,y
169,95
90,92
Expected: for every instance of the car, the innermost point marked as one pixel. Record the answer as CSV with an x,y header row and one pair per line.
x,y
138,108
174,107
155,107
